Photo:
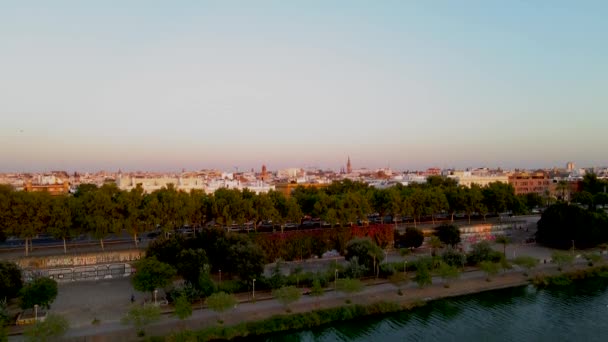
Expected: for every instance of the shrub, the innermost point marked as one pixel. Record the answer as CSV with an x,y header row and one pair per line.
x,y
483,251
453,257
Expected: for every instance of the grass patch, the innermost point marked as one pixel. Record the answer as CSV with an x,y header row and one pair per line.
x,y
297,321
568,278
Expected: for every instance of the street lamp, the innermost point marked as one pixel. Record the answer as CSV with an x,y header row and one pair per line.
x,y
253,292
572,246
220,277
35,312
336,279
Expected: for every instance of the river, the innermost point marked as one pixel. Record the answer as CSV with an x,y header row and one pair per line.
x,y
574,313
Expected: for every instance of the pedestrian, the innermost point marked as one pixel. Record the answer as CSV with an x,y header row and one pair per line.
x,y
132,299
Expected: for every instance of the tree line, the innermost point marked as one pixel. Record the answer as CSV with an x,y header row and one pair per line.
x,y
101,211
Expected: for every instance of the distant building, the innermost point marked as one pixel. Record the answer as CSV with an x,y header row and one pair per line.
x,y
570,166
349,168
525,182
467,178
53,189
263,175
288,188
290,173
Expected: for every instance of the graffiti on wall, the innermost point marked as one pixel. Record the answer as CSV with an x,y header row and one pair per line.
x,y
88,259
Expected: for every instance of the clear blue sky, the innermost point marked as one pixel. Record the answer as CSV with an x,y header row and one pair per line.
x,y
165,85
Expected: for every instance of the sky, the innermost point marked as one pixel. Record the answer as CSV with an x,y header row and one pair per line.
x,y
167,85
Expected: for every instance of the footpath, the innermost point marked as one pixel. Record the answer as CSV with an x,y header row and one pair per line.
x,y
264,307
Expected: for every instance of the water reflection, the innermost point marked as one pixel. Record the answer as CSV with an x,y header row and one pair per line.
x,y
574,313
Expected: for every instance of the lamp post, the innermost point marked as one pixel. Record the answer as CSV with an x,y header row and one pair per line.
x,y
155,293
336,280
220,277
253,292
572,246
35,312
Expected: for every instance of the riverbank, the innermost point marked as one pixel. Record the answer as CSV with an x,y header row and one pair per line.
x,y
261,311
314,318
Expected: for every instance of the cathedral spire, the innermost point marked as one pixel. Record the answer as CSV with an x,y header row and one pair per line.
x,y
349,169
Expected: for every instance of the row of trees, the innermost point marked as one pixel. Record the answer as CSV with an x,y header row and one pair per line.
x,y
565,226
101,211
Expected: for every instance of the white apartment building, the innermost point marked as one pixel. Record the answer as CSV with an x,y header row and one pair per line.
x,y
466,178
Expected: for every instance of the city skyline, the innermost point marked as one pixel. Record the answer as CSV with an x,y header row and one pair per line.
x,y
164,86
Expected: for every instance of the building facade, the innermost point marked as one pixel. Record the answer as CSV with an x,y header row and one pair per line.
x,y
528,182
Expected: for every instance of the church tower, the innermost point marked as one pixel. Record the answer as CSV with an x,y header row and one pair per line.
x,y
349,169
264,172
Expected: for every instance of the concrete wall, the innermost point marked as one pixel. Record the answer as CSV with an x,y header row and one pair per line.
x,y
80,267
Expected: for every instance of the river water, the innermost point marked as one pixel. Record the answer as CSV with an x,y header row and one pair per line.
x,y
573,313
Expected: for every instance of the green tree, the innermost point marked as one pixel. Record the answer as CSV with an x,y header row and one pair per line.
x,y
592,258
206,286
152,274
10,280
413,237
423,276
561,223
140,316
349,286
435,243
316,290
584,198
474,201
562,259
489,268
287,295
41,291
449,234
456,198
98,211
527,262
190,263
220,302
247,260
453,257
134,216
601,198
29,215
482,251
448,273
60,223
51,329
183,307
399,279
367,252
504,241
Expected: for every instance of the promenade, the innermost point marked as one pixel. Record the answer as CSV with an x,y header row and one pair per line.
x,y
107,301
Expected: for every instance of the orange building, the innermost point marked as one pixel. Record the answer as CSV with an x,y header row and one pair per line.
x,y
288,188
524,182
53,189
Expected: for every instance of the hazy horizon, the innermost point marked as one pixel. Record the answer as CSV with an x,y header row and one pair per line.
x,y
161,86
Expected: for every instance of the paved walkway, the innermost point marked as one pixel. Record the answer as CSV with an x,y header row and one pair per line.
x,y
109,300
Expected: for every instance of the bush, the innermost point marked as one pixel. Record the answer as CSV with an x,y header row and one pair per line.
x,y
449,234
232,286
305,320
10,280
453,257
481,252
53,327
41,291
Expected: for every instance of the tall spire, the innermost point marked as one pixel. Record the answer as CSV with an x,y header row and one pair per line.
x,y
349,169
